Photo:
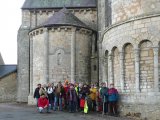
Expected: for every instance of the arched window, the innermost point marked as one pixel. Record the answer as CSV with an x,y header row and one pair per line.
x,y
59,59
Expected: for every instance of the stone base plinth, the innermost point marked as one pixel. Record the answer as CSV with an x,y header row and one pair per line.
x,y
31,100
140,105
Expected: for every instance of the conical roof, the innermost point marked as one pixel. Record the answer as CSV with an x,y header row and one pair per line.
x,y
45,4
65,18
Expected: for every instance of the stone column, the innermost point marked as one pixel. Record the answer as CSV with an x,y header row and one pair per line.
x,y
110,71
156,74
137,69
104,71
101,15
100,61
30,97
34,19
122,70
46,57
93,44
31,65
73,55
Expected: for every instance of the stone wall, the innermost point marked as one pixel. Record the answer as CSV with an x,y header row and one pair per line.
x,y
140,105
39,57
30,20
139,77
101,15
116,68
94,70
159,66
8,88
53,58
83,55
88,16
37,17
26,17
23,64
146,66
59,54
134,32
129,68
23,58
123,10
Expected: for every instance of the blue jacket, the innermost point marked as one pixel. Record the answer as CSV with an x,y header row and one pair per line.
x,y
104,94
113,95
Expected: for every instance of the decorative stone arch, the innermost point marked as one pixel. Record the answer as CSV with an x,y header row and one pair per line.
x,y
106,53
109,48
113,48
127,39
120,43
125,44
146,66
147,36
145,40
129,67
116,67
58,49
59,56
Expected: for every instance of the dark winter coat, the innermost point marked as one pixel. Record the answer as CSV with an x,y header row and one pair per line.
x,y
84,92
36,93
104,94
72,95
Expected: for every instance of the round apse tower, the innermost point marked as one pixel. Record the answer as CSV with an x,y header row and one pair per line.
x,y
60,49
130,48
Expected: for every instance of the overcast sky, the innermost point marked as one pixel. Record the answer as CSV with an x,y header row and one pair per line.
x,y
10,20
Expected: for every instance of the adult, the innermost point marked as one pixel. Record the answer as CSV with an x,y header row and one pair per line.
x,y
77,89
83,93
59,92
36,93
93,95
50,93
66,88
104,97
113,99
43,90
72,98
43,104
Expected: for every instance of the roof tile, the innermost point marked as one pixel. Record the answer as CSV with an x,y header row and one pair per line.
x,y
64,17
35,4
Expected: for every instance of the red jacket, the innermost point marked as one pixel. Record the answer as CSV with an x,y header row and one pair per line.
x,y
66,88
42,102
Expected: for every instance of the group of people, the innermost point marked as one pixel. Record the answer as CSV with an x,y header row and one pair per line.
x,y
77,97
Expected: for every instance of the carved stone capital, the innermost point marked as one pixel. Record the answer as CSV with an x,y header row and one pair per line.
x,y
121,54
156,51
137,54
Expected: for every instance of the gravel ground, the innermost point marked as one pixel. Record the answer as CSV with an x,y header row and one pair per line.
x,y
14,111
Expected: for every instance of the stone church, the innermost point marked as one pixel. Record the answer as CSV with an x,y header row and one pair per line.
x,y
114,41
1,60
